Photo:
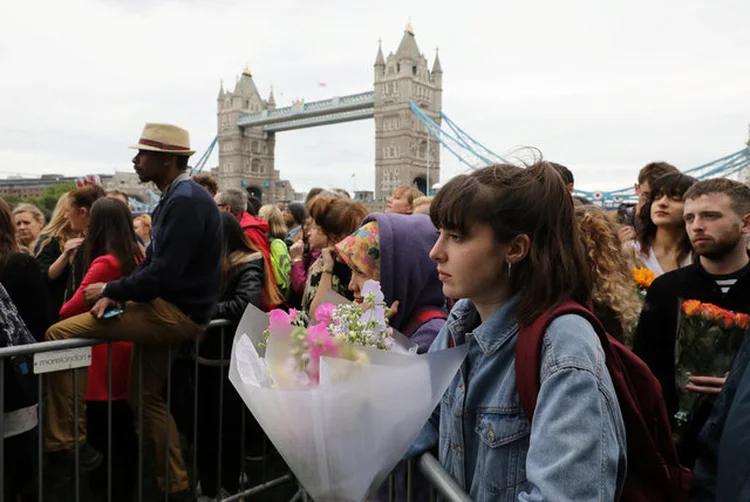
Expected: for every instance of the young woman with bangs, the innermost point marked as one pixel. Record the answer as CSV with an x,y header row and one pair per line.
x,y
109,252
509,246
662,243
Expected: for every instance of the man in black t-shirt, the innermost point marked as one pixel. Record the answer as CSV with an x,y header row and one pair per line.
x,y
717,215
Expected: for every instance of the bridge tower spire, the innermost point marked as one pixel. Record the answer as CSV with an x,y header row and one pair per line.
x,y
380,60
405,153
246,154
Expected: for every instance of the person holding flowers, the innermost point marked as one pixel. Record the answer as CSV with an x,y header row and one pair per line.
x,y
395,249
662,245
509,246
694,308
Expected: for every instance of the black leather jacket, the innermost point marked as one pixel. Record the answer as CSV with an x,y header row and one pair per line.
x,y
243,286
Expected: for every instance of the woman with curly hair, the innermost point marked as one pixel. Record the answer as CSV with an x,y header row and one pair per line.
x,y
614,292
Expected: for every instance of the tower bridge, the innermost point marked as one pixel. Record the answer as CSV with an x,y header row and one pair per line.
x,y
405,152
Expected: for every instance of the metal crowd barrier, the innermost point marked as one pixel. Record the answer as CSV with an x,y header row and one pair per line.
x,y
75,354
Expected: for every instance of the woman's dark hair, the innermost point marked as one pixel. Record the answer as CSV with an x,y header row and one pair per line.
x,y
111,232
253,204
672,185
298,212
234,237
235,240
516,201
8,244
86,195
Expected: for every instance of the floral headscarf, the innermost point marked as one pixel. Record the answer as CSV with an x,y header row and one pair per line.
x,y
361,250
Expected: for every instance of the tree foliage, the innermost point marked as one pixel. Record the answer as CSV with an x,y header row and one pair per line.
x,y
46,201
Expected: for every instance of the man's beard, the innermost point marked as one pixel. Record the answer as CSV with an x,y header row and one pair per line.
x,y
720,248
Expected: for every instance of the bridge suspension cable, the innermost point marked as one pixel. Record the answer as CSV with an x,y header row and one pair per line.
x,y
474,155
198,167
467,150
731,165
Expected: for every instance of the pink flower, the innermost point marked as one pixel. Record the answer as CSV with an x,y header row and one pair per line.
x,y
320,343
324,312
279,320
293,315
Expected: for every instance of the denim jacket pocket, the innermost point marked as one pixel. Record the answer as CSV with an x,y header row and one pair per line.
x,y
503,443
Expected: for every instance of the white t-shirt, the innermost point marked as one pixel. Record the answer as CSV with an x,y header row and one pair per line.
x,y
651,263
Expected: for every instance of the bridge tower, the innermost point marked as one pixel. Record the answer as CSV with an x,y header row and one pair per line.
x,y
405,153
246,154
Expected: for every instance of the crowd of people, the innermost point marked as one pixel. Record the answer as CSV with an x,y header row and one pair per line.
x,y
494,251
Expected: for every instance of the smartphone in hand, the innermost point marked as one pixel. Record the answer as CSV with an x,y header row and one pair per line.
x,y
112,312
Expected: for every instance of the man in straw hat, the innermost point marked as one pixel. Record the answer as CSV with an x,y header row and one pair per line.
x,y
167,300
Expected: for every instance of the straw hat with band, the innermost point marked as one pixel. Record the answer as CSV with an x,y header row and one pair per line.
x,y
166,138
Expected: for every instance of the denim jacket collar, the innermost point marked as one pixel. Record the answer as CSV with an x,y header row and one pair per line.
x,y
491,334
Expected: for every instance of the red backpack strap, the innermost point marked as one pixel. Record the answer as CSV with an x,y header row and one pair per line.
x,y
422,316
529,350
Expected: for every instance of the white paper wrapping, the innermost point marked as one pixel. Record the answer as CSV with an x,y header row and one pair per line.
x,y
342,438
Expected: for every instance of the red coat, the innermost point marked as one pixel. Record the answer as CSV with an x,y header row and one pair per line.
x,y
103,269
256,231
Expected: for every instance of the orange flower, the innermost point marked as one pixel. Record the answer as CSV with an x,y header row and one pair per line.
x,y
691,307
711,312
719,314
643,276
742,320
706,312
729,319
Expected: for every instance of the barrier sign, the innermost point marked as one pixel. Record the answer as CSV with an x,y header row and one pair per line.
x,y
58,360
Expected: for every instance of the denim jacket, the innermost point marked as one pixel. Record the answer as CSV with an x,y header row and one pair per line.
x,y
575,448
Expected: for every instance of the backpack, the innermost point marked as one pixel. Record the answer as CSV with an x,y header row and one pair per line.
x,y
654,472
13,332
421,316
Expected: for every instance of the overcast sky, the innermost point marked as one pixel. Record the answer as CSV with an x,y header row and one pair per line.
x,y
603,86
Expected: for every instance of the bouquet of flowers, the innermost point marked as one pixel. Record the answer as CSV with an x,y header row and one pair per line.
x,y
643,278
342,396
708,338
338,329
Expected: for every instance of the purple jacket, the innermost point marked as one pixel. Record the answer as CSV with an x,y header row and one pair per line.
x,y
407,273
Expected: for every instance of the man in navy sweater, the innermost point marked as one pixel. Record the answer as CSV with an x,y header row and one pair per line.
x,y
169,299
